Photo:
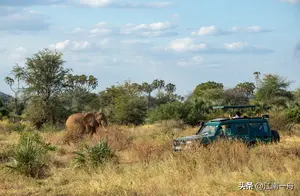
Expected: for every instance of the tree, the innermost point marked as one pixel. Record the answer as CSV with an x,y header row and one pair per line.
x,y
257,79
17,108
274,90
161,85
235,96
44,77
148,89
246,87
209,91
78,94
170,88
124,104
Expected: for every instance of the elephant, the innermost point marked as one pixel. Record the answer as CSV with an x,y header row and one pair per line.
x,y
79,124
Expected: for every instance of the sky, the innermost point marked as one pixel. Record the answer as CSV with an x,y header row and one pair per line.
x,y
182,42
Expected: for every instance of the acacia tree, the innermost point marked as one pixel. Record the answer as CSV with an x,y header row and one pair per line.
x,y
209,91
273,90
44,77
79,92
247,88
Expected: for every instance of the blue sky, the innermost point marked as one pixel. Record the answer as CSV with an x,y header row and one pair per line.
x,y
183,42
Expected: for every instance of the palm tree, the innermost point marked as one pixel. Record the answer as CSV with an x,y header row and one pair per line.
x,y
170,88
148,89
161,85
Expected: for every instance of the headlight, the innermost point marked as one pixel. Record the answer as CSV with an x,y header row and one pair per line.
x,y
176,142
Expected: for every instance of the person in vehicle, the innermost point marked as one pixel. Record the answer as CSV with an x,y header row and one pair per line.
x,y
237,115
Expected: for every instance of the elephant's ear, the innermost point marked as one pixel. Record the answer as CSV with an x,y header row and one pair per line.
x,y
89,118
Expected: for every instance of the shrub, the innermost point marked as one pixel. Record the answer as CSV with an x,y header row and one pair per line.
x,y
95,156
293,114
129,110
169,111
30,155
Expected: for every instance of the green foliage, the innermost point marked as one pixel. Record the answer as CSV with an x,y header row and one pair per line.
x,y
167,111
78,96
30,155
130,110
44,77
293,113
209,91
37,111
124,104
95,156
273,90
246,87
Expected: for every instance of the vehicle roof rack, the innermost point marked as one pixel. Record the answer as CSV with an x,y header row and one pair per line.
x,y
233,106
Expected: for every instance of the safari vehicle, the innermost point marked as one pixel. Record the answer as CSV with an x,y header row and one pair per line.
x,y
247,129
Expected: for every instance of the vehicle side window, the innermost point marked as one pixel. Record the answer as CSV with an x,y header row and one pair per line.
x,y
241,129
228,130
256,129
266,128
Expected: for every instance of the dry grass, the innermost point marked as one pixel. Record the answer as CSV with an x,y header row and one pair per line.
x,y
149,167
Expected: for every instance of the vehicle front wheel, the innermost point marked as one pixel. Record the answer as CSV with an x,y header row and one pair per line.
x,y
275,136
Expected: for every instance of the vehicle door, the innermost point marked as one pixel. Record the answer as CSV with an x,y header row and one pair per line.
x,y
241,131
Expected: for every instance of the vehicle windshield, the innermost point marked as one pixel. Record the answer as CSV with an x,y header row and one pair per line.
x,y
208,130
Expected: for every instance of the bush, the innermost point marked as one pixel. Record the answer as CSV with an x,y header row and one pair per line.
x,y
293,114
169,111
30,155
130,110
95,156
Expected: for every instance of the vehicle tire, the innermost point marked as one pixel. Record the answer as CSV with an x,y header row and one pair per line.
x,y
275,136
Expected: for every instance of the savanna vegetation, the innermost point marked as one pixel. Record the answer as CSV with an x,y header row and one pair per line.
x,y
133,155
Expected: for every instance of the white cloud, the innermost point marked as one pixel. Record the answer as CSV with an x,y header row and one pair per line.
x,y
186,44
77,45
213,30
156,26
245,47
71,45
250,29
157,34
135,41
100,31
77,30
90,3
236,45
96,3
291,1
123,4
60,45
156,29
209,30
101,24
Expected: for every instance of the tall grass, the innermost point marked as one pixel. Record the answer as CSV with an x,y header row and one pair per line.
x,y
148,166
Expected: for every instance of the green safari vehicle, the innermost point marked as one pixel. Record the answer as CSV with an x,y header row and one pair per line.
x,y
247,129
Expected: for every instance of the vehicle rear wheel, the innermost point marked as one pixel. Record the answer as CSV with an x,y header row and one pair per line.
x,y
275,136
